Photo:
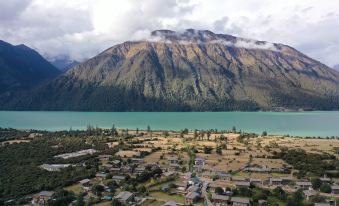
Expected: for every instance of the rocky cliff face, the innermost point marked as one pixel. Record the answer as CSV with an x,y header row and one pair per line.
x,y
192,70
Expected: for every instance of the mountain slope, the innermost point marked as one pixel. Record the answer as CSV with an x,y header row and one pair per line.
x,y
22,67
191,70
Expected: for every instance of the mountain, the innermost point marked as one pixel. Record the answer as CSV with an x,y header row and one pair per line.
x,y
21,67
64,63
193,70
336,67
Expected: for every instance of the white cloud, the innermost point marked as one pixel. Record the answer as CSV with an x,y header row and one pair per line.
x,y
82,28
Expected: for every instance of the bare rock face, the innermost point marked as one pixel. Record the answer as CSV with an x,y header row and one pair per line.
x,y
192,70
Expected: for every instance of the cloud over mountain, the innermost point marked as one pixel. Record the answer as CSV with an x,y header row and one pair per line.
x,y
82,28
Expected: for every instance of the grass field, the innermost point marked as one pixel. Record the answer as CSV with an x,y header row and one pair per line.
x,y
166,197
76,189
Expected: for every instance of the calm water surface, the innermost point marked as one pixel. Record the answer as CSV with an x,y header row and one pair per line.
x,y
293,123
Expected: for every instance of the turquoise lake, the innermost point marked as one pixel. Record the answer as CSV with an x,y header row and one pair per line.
x,y
292,123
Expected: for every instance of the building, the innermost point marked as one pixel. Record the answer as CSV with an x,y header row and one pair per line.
x,y
172,160
170,203
85,182
137,160
199,161
303,185
276,181
262,203
100,175
335,189
125,197
257,182
242,184
225,176
43,197
309,194
193,188
118,178
240,201
219,200
191,198
322,204
115,170
54,167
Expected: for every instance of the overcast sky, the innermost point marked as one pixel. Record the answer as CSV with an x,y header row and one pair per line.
x,y
82,28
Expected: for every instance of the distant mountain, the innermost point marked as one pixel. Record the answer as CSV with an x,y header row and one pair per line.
x,y
336,67
189,71
21,67
64,63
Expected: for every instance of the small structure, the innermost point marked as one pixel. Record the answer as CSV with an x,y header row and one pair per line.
x,y
43,197
54,167
303,185
115,170
105,157
118,178
240,201
193,188
137,160
170,203
262,203
199,161
191,198
322,204
125,197
242,184
172,160
275,181
100,175
85,182
309,194
225,176
335,189
219,200
257,182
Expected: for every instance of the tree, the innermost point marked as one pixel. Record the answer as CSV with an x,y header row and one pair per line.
x,y
316,183
326,188
279,193
219,190
264,133
234,129
80,200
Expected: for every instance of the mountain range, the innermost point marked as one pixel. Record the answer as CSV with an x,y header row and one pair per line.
x,y
21,68
193,70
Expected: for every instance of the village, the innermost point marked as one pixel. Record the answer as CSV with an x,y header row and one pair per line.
x,y
212,168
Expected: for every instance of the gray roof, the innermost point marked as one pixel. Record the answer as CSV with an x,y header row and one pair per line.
x,y
309,193
192,195
240,183
84,181
241,200
172,158
124,195
220,197
170,203
119,177
335,187
322,204
304,183
47,193
275,179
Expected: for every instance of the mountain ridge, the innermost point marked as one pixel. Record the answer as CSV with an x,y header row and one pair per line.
x,y
194,70
22,67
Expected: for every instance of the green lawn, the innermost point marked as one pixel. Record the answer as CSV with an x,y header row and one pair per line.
x,y
166,197
77,189
272,200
